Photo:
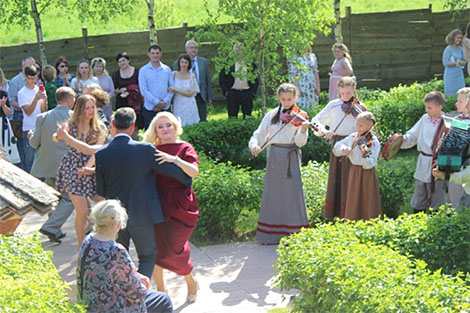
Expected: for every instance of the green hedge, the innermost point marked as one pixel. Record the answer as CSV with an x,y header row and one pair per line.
x,y
334,270
227,194
29,282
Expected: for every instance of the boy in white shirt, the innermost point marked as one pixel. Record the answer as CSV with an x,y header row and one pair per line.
x,y
32,102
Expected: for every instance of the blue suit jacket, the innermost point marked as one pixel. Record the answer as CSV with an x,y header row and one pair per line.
x,y
125,171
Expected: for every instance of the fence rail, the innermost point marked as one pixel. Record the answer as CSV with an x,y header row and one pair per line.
x,y
387,48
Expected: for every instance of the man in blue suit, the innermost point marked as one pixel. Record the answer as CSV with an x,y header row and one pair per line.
x,y
125,171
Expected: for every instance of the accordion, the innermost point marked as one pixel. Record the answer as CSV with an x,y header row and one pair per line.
x,y
454,149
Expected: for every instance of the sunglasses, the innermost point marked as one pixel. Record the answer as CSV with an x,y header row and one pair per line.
x,y
63,65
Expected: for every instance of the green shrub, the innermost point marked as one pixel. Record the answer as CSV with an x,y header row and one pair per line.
x,y
334,271
29,282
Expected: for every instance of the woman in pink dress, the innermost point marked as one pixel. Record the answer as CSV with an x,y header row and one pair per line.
x,y
342,66
178,202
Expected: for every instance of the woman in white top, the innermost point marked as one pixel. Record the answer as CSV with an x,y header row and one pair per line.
x,y
84,77
185,89
98,69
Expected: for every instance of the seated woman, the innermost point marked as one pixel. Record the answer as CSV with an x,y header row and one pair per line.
x,y
107,279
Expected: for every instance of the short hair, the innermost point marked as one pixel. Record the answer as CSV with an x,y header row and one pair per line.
x,y
60,60
347,81
435,96
49,73
107,214
451,36
189,42
122,55
124,118
187,58
465,91
368,116
26,59
155,47
62,94
31,70
96,61
287,87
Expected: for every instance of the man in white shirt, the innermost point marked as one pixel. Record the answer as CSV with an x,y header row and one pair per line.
x,y
32,102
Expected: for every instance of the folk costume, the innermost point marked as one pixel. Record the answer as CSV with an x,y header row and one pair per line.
x,y
425,134
342,124
283,210
363,185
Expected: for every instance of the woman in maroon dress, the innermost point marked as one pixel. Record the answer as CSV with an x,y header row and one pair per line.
x,y
178,202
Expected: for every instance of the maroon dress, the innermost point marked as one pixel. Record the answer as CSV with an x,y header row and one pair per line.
x,y
181,212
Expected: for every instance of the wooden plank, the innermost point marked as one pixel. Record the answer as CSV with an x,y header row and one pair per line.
x,y
15,198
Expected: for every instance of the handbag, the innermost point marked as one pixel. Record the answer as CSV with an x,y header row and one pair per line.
x,y
17,127
9,142
135,99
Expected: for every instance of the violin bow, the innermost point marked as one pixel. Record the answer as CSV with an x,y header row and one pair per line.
x,y
265,144
353,105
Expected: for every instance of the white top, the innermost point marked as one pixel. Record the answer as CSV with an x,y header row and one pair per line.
x,y
331,116
25,97
422,134
356,155
289,135
462,178
83,83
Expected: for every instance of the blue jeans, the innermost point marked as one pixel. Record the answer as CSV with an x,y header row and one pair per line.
x,y
26,152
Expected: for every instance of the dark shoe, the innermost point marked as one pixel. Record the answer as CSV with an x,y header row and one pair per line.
x,y
62,235
51,236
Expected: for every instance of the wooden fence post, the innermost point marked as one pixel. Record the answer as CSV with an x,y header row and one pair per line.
x,y
347,39
431,25
85,41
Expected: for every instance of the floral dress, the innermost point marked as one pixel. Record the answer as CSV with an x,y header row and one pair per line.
x,y
68,180
304,69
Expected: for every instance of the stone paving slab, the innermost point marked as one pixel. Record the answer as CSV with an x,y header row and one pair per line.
x,y
232,278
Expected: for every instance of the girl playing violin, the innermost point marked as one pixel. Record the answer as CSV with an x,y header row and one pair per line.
x,y
362,148
340,117
283,205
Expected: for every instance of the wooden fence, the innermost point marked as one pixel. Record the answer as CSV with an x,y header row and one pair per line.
x,y
387,48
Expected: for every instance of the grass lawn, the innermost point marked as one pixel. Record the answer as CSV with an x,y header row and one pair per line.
x,y
57,24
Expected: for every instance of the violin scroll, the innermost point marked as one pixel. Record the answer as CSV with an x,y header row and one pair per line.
x,y
296,117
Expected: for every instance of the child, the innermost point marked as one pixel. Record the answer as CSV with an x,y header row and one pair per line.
x,y
426,133
339,116
363,197
49,74
342,66
283,208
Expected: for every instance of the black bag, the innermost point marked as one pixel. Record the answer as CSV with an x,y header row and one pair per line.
x,y
17,127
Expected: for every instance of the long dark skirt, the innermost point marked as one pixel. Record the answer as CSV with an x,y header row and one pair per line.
x,y
337,187
283,210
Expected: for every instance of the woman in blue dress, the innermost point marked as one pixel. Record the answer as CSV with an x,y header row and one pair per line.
x,y
453,62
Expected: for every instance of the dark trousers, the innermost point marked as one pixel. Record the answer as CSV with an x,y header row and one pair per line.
x,y
149,115
237,98
158,302
143,237
201,108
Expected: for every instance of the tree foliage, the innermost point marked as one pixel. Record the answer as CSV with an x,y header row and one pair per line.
x,y
456,5
269,30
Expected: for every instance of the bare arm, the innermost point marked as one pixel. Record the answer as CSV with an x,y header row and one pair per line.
x,y
29,108
189,169
81,146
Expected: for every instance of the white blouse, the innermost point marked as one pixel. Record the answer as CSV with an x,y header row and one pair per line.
x,y
355,156
289,135
422,134
331,116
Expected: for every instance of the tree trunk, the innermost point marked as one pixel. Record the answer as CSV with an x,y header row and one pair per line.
x,y
37,25
151,20
337,8
262,80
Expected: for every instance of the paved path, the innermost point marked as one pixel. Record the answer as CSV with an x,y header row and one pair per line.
x,y
233,278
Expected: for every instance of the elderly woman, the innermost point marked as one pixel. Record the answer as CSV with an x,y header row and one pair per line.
x,y
107,279
98,69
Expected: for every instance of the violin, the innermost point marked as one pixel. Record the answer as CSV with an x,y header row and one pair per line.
x,y
353,106
296,117
364,143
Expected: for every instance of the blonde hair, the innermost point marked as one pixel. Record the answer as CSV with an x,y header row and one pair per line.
x,y
79,76
451,36
97,127
465,91
49,73
344,49
3,80
347,81
367,116
107,214
102,97
96,61
150,134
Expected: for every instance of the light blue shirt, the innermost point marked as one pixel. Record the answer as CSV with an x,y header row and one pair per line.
x,y
16,83
154,84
